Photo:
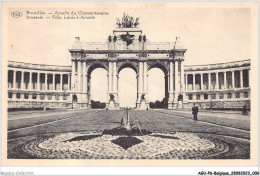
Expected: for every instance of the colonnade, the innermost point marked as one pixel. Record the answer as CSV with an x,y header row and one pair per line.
x,y
79,77
36,84
223,82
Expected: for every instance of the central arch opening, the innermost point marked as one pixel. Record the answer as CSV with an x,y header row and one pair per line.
x,y
127,88
157,88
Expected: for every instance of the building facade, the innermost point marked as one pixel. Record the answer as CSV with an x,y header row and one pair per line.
x,y
223,85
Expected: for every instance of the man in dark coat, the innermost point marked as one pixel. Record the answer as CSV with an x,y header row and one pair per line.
x,y
195,111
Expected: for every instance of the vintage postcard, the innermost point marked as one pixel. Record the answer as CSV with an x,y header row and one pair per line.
x,y
129,84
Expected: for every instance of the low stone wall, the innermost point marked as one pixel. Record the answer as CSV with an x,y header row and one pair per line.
x,y
232,105
33,104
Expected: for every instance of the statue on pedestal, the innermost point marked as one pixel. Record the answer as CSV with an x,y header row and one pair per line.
x,y
127,22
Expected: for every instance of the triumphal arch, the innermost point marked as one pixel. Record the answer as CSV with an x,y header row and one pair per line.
x,y
129,47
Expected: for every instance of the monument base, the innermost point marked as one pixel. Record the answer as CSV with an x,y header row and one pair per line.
x,y
143,105
170,105
112,105
180,105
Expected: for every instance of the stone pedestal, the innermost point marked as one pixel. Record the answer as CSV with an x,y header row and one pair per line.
x,y
180,105
111,105
82,100
175,105
112,102
142,105
170,105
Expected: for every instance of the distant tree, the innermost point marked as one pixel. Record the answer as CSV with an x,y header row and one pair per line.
x,y
97,105
159,104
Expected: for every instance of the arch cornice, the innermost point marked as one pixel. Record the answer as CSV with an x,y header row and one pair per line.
x,y
162,64
96,64
122,64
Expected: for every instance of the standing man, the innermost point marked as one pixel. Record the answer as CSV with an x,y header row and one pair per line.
x,y
195,111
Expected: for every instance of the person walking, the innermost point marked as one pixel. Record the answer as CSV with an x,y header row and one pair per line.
x,y
244,110
195,111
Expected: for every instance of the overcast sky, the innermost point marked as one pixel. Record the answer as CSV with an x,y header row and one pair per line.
x,y
211,35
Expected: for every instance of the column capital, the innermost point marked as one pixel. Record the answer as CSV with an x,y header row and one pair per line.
x,y
112,59
179,59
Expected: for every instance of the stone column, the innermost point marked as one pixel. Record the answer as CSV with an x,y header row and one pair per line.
x,y
73,76
183,83
249,78
107,84
167,78
182,77
217,83
147,83
61,81
30,81
201,81
86,83
117,77
53,82
38,80
193,80
22,79
241,79
186,81
115,83
171,82
233,79
109,77
89,86
79,76
176,79
225,80
114,78
140,82
145,78
209,80
84,77
46,76
69,82
14,79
